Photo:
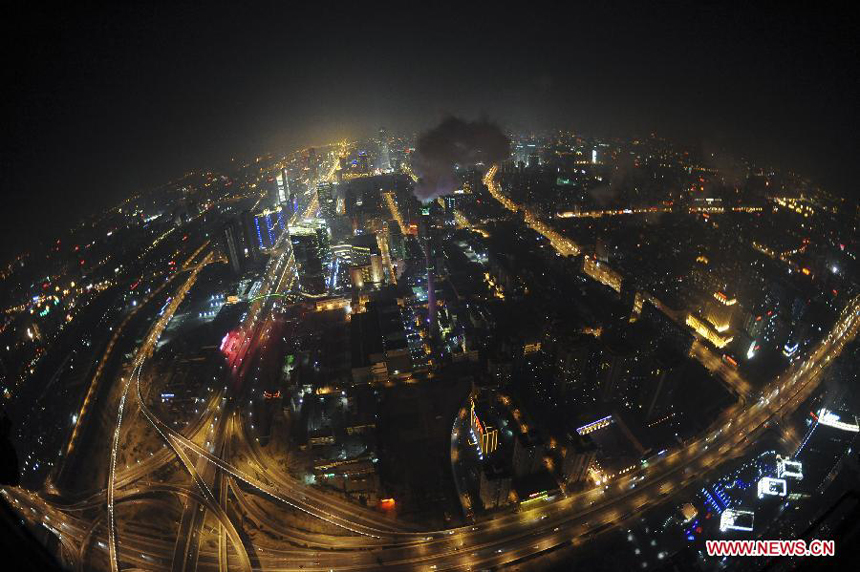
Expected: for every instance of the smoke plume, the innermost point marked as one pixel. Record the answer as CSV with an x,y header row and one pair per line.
x,y
455,142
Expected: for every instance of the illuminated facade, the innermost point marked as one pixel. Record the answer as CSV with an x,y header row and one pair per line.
x,y
733,519
327,200
268,226
602,273
282,188
768,486
786,468
708,332
595,425
831,419
486,434
720,311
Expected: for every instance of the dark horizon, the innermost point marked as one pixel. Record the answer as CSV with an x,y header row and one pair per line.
x,y
107,102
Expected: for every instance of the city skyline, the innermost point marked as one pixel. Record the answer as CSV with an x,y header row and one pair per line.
x,y
87,103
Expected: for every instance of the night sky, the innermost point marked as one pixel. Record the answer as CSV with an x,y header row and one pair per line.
x,y
100,101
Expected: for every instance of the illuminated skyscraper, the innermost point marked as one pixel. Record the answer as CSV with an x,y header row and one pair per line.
x,y
310,256
486,434
425,231
283,196
327,200
237,241
384,153
720,311
250,248
268,226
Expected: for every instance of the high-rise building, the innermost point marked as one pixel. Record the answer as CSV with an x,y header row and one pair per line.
x,y
486,434
384,153
356,277
495,485
237,241
312,163
268,226
425,231
230,243
310,257
754,323
376,273
668,332
665,371
396,243
274,194
528,454
286,196
602,273
327,200
602,249
708,332
580,452
574,363
363,246
616,370
720,310
282,189
250,247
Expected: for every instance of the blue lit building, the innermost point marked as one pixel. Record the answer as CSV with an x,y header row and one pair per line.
x,y
268,226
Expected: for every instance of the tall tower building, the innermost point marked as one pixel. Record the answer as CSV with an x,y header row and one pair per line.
x,y
426,233
312,163
309,253
273,185
286,197
664,373
231,245
281,190
327,200
616,370
528,454
250,249
384,152
268,226
580,453
720,311
573,367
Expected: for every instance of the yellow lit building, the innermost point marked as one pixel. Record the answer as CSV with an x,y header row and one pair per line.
x,y
720,311
486,434
707,331
601,272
